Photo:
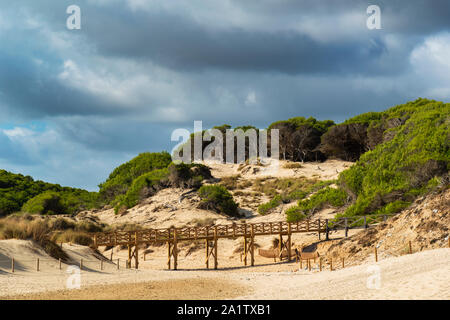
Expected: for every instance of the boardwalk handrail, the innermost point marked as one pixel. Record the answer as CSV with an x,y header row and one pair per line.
x,y
234,230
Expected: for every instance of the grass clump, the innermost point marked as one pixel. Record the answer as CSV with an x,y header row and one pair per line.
x,y
218,198
323,198
292,189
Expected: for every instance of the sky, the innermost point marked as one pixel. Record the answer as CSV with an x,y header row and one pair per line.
x,y
76,103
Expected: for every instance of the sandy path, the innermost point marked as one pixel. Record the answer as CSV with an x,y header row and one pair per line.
x,y
424,275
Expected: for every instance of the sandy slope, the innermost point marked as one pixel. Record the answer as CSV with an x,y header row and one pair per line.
x,y
424,275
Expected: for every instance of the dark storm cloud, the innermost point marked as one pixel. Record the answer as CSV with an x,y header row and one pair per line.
x,y
183,44
141,70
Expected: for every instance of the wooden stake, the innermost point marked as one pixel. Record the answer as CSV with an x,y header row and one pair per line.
x,y
327,230
410,247
169,247
118,264
346,227
136,250
343,264
60,264
245,245
101,265
12,265
318,228
215,248
301,263
81,264
376,254
252,246
309,264
289,244
168,250
331,264
207,253
320,263
37,264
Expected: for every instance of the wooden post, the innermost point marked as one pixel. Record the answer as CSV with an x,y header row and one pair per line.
x,y
327,230
245,245
168,250
207,253
112,249
118,264
365,223
175,250
320,263
346,227
12,265
449,241
289,241
331,264
215,248
301,263
136,250
101,265
252,246
343,264
59,263
280,243
129,257
37,264
410,247
376,254
81,264
318,228
309,264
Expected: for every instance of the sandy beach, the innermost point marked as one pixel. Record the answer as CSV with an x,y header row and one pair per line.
x,y
423,275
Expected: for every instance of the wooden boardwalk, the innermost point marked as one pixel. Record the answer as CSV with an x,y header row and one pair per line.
x,y
211,235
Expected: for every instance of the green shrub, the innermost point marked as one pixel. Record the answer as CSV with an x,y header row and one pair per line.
x,y
123,176
144,186
406,164
292,190
324,197
218,198
266,207
294,214
16,190
48,202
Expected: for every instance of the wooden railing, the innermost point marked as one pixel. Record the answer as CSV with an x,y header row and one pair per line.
x,y
234,230
211,234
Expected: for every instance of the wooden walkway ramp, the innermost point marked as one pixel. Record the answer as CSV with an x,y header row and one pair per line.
x,y
211,235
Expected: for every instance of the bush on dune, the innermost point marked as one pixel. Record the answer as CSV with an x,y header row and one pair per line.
x,y
408,164
121,179
325,197
218,198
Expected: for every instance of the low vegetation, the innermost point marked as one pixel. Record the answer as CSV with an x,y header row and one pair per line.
x,y
48,232
121,179
327,197
288,190
413,159
217,198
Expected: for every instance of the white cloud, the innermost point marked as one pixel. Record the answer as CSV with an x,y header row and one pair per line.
x,y
251,98
431,65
